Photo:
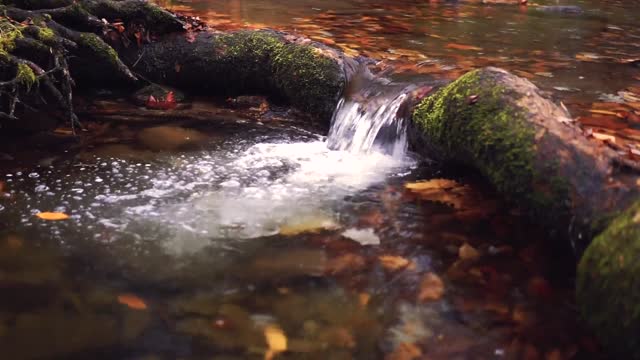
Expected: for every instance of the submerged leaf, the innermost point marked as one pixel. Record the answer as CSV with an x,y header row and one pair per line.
x,y
276,340
132,301
431,288
52,216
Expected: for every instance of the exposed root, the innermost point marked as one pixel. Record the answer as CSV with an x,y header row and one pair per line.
x,y
44,44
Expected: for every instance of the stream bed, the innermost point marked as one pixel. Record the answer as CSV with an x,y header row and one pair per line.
x,y
251,239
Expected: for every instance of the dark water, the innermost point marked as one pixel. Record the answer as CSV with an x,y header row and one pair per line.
x,y
225,240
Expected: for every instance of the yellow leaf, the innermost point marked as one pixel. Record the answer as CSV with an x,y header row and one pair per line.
x,y
603,112
442,190
432,184
53,216
604,137
311,223
132,301
276,340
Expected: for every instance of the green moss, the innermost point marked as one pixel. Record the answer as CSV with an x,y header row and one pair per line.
x,y
9,32
25,76
469,121
608,285
476,121
46,35
264,60
96,45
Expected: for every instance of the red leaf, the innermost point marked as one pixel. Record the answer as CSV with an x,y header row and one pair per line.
x,y
170,97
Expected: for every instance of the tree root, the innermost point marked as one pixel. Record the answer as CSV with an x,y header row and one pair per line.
x,y
45,44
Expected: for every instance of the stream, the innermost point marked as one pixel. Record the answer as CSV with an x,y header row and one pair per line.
x,y
253,238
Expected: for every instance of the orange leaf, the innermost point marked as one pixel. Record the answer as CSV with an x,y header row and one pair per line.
x,y
463,47
394,263
431,288
132,301
52,216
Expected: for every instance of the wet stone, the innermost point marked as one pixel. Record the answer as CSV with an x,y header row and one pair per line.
x,y
171,138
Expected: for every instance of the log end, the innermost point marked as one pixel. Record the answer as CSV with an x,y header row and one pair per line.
x,y
607,286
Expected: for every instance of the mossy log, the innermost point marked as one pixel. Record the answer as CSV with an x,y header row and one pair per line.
x,y
305,74
530,151
608,286
52,45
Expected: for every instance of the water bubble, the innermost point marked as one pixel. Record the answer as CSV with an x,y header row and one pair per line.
x,y
34,175
41,188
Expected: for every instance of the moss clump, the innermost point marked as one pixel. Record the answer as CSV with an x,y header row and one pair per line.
x,y
608,289
307,77
93,43
476,121
9,32
46,35
263,60
469,121
25,76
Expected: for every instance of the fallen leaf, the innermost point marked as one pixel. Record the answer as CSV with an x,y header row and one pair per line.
x,y
603,137
603,112
393,263
432,184
276,341
132,301
468,252
462,47
190,36
363,299
431,288
405,351
52,216
346,263
308,224
445,191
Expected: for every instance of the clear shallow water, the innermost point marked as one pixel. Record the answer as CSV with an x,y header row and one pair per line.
x,y
197,251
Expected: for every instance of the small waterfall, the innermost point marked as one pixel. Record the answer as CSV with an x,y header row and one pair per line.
x,y
373,115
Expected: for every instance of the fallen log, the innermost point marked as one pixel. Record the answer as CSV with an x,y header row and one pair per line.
x,y
530,151
299,72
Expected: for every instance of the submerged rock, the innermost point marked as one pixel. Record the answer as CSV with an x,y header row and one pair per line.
x,y
170,138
